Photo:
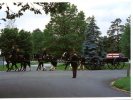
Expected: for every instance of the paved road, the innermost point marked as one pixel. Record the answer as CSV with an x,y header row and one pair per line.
x,y
41,84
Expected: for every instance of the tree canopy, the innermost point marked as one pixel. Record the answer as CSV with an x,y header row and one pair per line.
x,y
51,7
92,36
13,37
66,29
125,42
114,34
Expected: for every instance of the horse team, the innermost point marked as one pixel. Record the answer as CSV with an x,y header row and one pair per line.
x,y
13,59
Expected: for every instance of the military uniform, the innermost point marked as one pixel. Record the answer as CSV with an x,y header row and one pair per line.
x,y
74,64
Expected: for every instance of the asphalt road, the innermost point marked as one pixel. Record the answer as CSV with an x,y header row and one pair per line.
x,y
52,84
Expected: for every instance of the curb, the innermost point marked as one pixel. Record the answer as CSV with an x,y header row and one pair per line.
x,y
118,89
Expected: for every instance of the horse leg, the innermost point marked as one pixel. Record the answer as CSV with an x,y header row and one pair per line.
x,y
41,65
25,66
38,66
67,63
7,66
28,63
16,68
70,68
66,66
11,68
21,68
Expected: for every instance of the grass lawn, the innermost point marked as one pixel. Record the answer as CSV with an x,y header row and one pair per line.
x,y
123,83
3,68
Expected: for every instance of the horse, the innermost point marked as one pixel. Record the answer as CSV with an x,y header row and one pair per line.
x,y
43,59
25,62
81,63
14,59
40,59
53,61
66,58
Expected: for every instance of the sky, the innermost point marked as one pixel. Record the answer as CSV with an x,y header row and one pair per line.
x,y
104,11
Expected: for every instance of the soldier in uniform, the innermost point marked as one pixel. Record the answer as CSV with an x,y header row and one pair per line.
x,y
13,52
74,63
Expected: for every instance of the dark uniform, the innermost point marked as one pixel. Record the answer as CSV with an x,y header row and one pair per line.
x,y
74,64
13,53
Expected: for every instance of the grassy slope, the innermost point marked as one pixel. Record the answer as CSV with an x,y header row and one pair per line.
x,y
123,83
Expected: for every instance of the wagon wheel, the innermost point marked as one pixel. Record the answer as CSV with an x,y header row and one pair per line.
x,y
109,63
95,63
111,66
87,65
118,63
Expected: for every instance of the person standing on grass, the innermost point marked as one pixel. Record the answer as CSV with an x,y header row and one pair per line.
x,y
74,63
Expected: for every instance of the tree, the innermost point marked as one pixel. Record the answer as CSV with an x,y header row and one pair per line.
x,y
114,34
125,39
8,39
92,36
67,30
52,7
13,37
37,40
24,41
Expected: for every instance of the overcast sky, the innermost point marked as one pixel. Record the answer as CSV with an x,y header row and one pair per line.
x,y
104,11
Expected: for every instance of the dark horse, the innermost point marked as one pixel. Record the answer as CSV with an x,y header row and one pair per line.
x,y
23,59
66,58
45,58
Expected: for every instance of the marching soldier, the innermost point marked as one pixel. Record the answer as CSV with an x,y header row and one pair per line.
x,y
74,63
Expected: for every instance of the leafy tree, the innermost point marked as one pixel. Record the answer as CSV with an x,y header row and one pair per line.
x,y
66,29
114,34
125,39
92,36
12,37
8,38
24,41
51,7
37,40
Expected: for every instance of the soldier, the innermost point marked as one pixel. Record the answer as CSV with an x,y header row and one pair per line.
x,y
13,52
74,63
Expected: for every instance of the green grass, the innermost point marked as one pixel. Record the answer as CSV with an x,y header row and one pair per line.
x,y
123,83
60,66
3,68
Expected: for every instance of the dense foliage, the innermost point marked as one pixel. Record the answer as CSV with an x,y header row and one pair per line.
x,y
47,7
125,39
114,35
13,37
64,31
92,38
